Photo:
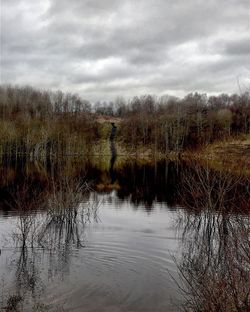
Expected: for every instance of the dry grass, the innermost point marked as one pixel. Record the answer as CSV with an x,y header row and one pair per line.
x,y
232,155
102,119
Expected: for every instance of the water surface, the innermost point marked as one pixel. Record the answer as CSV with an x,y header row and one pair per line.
x,y
93,240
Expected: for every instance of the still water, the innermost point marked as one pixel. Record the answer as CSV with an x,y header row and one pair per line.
x,y
79,237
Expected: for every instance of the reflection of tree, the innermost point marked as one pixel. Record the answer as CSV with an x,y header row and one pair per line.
x,y
215,263
139,182
27,276
204,188
50,235
147,183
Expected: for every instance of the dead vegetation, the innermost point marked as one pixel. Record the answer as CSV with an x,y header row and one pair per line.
x,y
215,263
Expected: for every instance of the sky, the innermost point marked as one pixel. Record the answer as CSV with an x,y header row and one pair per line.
x,y
102,49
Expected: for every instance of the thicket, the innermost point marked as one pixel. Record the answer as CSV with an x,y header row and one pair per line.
x,y
43,123
170,123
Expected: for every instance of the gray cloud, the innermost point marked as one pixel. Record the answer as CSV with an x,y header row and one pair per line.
x,y
106,48
239,47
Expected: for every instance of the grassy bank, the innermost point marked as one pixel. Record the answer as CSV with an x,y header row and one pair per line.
x,y
232,154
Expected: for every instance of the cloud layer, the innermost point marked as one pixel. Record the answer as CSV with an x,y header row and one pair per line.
x,y
102,49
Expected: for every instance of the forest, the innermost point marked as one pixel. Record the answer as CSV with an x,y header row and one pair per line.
x,y
40,123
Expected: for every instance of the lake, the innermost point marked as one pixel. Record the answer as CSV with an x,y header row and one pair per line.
x,y
99,235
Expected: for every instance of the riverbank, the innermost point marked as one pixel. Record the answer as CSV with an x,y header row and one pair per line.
x,y
233,154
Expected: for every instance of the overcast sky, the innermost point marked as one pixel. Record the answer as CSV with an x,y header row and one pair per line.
x,y
105,48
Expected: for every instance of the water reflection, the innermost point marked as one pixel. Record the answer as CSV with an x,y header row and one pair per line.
x,y
138,183
46,236
180,183
215,265
215,262
68,243
147,183
203,188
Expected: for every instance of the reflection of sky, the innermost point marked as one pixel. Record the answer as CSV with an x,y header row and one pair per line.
x,y
126,261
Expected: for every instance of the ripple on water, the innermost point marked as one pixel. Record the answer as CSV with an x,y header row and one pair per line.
x,y
125,265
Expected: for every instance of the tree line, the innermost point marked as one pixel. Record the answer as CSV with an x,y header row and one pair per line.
x,y
170,123
40,122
